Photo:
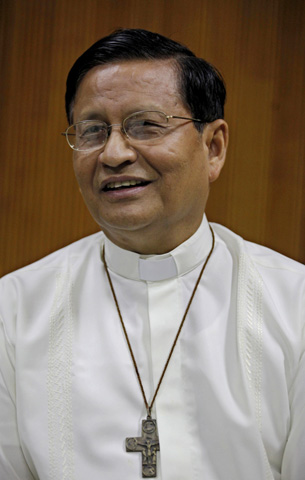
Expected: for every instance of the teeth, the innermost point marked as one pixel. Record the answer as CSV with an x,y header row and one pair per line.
x,y
126,183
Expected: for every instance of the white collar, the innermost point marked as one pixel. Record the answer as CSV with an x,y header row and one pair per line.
x,y
152,268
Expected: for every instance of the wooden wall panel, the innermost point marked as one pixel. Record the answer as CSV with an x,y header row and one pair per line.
x,y
259,47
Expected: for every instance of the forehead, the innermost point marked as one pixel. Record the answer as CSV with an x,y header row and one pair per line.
x,y
130,85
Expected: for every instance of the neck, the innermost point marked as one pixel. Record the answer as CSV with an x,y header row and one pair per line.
x,y
150,267
149,242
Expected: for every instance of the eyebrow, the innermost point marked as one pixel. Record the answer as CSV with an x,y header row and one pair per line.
x,y
95,115
91,116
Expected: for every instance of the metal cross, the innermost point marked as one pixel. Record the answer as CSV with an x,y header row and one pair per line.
x,y
148,445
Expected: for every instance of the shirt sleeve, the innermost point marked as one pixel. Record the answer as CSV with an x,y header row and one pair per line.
x,y
293,465
13,465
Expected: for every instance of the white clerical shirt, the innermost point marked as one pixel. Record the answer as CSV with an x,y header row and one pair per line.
x,y
232,402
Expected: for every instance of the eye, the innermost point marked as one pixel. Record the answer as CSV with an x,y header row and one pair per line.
x,y
90,134
143,125
148,126
92,130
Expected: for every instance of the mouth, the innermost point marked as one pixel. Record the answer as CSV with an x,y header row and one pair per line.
x,y
115,186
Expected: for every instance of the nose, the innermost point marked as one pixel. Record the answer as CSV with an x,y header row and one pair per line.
x,y
117,150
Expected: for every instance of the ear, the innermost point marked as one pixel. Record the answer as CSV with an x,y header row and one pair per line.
x,y
217,138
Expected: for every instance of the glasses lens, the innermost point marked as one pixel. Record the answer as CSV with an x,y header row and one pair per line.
x,y
146,125
87,135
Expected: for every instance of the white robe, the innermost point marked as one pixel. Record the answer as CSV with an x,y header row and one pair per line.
x,y
232,403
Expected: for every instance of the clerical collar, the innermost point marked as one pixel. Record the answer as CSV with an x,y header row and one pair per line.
x,y
152,268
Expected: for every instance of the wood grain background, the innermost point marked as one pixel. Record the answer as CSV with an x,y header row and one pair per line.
x,y
258,45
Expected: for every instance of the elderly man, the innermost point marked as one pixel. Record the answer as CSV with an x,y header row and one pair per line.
x,y
162,346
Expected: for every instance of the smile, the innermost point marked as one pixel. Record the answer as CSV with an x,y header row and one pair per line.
x,y
124,184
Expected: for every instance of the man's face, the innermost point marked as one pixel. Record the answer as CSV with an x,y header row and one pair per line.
x,y
172,175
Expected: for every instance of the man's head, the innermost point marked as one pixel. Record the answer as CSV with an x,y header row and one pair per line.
x,y
147,192
200,85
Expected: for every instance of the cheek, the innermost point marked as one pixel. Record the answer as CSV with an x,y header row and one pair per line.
x,y
185,186
84,171
185,169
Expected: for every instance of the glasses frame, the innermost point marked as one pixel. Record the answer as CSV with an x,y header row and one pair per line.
x,y
66,133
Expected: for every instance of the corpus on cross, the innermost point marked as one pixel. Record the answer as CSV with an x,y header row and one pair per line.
x,y
148,445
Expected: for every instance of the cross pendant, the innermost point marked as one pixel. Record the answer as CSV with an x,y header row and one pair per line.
x,y
148,445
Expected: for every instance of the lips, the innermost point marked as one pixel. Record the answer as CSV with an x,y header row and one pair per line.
x,y
114,185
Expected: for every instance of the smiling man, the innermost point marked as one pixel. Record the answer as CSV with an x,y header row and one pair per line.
x,y
170,164
163,346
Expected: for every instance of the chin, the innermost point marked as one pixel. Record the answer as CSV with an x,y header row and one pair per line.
x,y
127,219
126,223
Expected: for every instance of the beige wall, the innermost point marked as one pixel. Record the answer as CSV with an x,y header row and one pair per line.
x,y
259,46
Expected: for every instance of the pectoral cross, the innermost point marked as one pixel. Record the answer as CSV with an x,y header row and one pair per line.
x,y
148,445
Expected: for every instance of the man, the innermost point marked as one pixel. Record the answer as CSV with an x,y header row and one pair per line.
x,y
160,347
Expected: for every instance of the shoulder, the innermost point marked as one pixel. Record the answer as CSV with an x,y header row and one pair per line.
x,y
282,279
270,282
28,293
263,257
67,257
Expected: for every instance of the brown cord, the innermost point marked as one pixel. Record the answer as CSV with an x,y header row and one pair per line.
x,y
149,407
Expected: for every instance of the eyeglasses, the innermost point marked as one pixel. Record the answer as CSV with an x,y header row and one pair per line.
x,y
144,126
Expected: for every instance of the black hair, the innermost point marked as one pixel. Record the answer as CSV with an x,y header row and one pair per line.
x,y
200,84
